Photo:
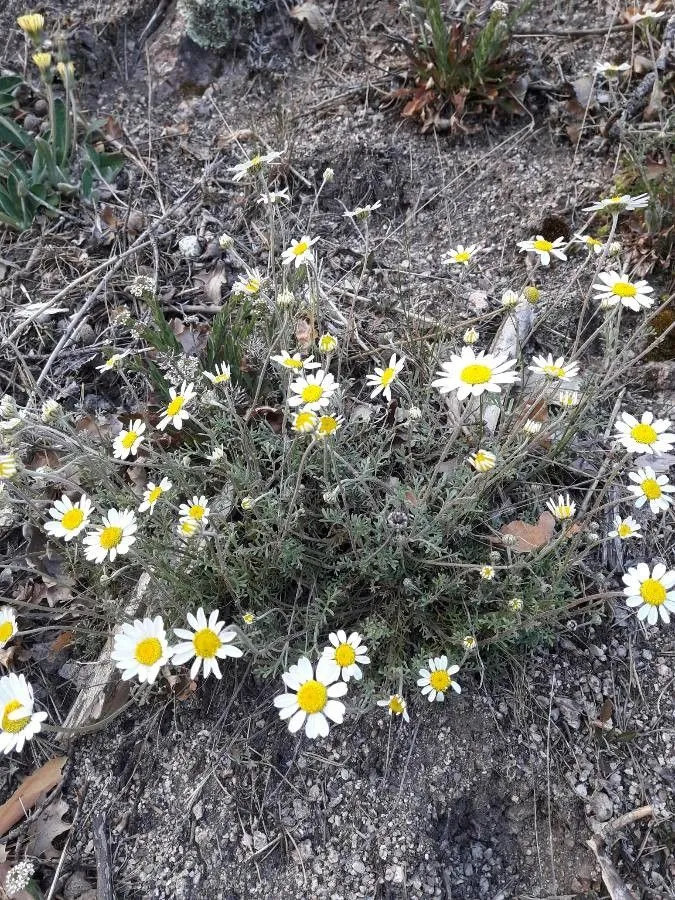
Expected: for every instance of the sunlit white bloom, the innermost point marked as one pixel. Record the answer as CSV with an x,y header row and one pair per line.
x,y
381,380
51,411
114,537
515,604
197,510
295,362
221,375
437,679
111,362
248,618
305,422
531,426
18,722
554,368
216,454
471,336
10,424
129,440
254,164
152,493
8,626
347,653
247,503
461,255
625,528
617,204
544,249
327,343
362,212
18,878
569,398
649,435
589,242
207,643
395,706
176,412
8,465
487,573
469,642
248,285
311,699
609,70
471,374
650,592
141,649
313,392
651,488
68,518
300,252
615,287
482,460
273,197
509,300
563,507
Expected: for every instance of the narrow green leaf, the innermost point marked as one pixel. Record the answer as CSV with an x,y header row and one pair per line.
x,y
14,134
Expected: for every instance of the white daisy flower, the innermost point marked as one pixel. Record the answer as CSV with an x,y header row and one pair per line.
x,y
558,368
347,653
305,422
437,679
625,528
569,398
589,242
651,592
18,722
509,300
395,706
152,493
207,643
141,649
113,538
254,164
471,374
187,528
531,426
176,413
111,362
328,425
313,392
51,411
295,362
607,70
248,285
487,573
313,700
8,465
461,255
649,435
623,203
197,510
327,343
543,248
381,380
482,460
651,488
616,287
515,604
220,376
69,518
129,440
563,507
469,642
300,252
8,626
362,212
274,197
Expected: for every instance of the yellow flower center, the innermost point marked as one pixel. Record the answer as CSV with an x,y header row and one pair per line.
x,y
326,344
593,242
148,651
300,248
14,726
72,518
175,406
155,494
291,363
345,655
111,536
653,592
624,530
476,373
252,286
651,489
197,512
255,161
129,439
219,379
206,643
7,469
188,527
396,706
328,425
6,631
440,680
312,696
644,434
624,289
311,393
615,199
542,245
463,256
387,376
305,421
555,371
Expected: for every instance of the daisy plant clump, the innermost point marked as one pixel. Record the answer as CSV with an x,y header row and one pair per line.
x,y
357,514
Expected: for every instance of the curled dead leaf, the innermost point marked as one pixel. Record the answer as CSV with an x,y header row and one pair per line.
x,y
529,537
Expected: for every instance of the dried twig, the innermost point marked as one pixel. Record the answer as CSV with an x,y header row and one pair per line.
x,y
616,887
104,877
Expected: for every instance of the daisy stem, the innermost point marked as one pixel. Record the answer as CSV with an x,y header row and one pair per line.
x,y
296,490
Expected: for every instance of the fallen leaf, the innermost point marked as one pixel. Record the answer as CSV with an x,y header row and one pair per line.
x,y
304,334
225,138
6,655
46,828
213,282
273,415
312,15
530,537
63,640
30,791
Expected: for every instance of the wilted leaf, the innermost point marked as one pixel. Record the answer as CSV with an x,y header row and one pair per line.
x,y
530,537
312,15
304,334
63,640
44,459
273,415
192,339
30,791
48,826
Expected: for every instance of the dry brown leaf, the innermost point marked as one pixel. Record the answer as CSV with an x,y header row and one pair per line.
x,y
213,282
46,828
30,791
530,537
304,334
225,138
312,15
6,655
63,640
